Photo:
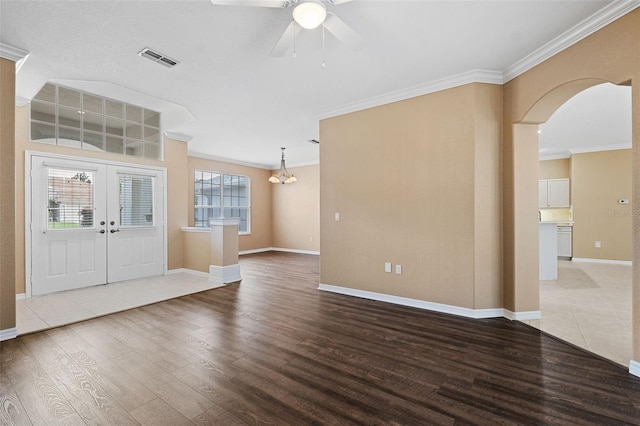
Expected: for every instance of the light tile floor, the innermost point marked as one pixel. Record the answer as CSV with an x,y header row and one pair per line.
x,y
42,312
589,305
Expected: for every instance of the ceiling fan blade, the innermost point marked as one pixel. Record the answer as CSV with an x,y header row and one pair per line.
x,y
258,3
286,40
337,1
343,32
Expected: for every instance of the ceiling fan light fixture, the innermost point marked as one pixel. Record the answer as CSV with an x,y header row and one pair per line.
x,y
309,14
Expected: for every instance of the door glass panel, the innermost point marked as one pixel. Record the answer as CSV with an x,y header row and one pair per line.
x,y
136,200
70,199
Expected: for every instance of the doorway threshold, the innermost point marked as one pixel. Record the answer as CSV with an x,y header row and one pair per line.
x,y
40,313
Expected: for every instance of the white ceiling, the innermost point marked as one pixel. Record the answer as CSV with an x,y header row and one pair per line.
x,y
239,104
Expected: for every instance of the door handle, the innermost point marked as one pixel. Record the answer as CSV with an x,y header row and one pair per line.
x,y
102,231
113,231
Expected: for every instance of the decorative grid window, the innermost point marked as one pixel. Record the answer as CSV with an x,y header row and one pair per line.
x,y
68,117
136,200
222,195
71,201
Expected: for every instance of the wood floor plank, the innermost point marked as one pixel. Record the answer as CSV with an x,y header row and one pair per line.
x,y
273,349
11,410
90,400
40,397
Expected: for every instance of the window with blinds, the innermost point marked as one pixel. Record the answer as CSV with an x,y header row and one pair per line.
x,y
70,198
136,200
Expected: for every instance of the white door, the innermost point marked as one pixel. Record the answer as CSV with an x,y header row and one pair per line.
x,y
93,223
136,217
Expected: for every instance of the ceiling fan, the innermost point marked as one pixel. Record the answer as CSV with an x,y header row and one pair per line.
x,y
307,14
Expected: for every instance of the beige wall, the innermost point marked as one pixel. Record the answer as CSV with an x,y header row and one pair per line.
x,y
554,169
296,211
7,195
261,210
175,154
599,180
389,171
611,54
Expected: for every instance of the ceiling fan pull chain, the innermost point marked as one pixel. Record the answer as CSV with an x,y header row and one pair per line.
x,y
324,65
294,38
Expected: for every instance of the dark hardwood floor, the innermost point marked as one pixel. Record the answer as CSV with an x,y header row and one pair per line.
x,y
275,350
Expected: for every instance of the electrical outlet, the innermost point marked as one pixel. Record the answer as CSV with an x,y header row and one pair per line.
x,y
337,217
399,269
387,267
598,244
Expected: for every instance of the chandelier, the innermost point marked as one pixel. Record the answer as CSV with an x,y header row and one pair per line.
x,y
283,176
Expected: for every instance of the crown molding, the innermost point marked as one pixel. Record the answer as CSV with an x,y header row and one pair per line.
x,y
182,137
14,54
569,153
600,148
593,23
204,156
20,101
474,76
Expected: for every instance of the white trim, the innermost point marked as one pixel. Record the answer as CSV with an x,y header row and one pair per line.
x,y
20,101
522,316
253,251
181,137
421,304
187,271
224,274
223,221
593,23
634,368
204,156
288,250
606,261
600,148
474,76
21,296
9,333
196,229
12,53
15,54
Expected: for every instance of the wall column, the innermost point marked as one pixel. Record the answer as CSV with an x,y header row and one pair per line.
x,y
8,197
224,267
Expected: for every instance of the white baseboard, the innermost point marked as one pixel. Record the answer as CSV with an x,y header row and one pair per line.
x,y
224,274
253,251
288,250
606,261
634,368
10,333
21,296
187,271
421,304
522,316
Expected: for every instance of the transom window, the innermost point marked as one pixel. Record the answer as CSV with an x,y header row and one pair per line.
x,y
69,117
222,195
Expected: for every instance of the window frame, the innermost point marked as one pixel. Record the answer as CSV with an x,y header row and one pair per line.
x,y
222,207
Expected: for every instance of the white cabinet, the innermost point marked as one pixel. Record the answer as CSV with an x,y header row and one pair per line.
x,y
553,193
564,241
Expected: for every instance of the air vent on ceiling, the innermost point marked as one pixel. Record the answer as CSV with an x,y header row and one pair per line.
x,y
158,57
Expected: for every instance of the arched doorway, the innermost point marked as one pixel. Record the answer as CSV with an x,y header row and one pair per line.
x,y
586,146
525,138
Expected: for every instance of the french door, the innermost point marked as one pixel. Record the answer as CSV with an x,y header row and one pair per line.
x,y
94,223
